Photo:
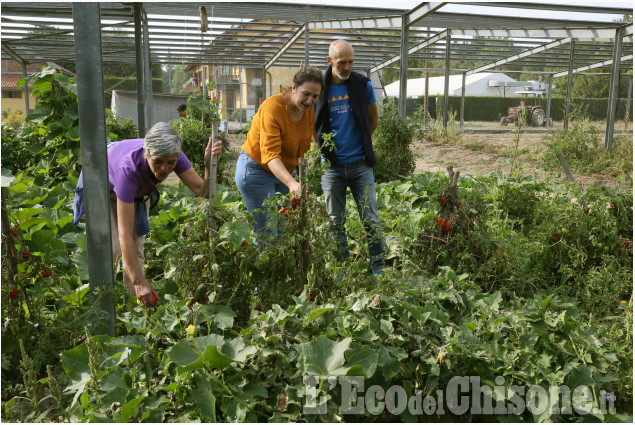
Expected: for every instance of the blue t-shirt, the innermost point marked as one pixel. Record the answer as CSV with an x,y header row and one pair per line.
x,y
346,132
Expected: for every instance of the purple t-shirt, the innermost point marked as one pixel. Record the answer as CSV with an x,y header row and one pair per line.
x,y
128,172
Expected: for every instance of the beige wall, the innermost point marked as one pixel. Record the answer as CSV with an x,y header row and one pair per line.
x,y
17,104
278,79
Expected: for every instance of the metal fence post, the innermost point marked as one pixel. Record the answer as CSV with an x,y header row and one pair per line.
x,y
92,131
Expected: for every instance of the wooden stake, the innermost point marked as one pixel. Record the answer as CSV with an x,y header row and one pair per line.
x,y
565,166
11,260
213,167
304,195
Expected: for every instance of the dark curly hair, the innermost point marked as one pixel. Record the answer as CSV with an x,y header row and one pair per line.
x,y
308,73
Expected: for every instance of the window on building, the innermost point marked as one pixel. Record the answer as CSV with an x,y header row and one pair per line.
x,y
6,94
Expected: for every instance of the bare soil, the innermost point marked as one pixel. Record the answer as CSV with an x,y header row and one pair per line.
x,y
476,153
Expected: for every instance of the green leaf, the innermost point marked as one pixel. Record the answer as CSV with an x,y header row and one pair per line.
x,y
133,341
182,353
235,232
238,350
128,409
204,398
219,316
170,322
325,357
80,256
319,311
216,359
362,361
73,133
7,177
202,342
75,363
387,327
581,376
546,302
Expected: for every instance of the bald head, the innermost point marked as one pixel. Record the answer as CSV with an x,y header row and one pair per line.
x,y
340,46
341,55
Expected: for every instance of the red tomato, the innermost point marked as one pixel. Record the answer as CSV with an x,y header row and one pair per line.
x,y
295,202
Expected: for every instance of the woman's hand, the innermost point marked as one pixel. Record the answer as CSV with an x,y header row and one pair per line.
x,y
212,149
294,187
146,294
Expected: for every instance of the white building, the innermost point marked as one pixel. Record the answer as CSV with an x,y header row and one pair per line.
x,y
480,84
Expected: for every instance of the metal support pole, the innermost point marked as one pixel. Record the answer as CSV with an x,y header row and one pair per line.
x,y
627,113
240,95
548,115
264,83
139,62
567,107
26,90
92,130
446,87
426,111
204,78
462,100
147,75
613,89
403,68
307,44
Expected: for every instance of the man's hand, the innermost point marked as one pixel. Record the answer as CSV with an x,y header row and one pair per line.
x,y
146,294
212,149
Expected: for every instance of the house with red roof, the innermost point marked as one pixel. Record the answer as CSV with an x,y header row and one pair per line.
x,y
12,96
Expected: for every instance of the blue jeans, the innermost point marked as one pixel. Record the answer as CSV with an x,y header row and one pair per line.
x,y
360,179
256,185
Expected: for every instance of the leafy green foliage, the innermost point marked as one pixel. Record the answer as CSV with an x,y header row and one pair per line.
x,y
12,119
120,129
195,139
195,134
391,143
53,127
425,333
584,150
15,152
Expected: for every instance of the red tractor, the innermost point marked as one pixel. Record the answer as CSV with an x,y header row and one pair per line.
x,y
535,113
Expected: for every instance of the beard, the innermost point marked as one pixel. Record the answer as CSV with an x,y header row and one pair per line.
x,y
340,75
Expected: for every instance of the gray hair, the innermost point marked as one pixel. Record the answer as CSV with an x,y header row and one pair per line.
x,y
162,141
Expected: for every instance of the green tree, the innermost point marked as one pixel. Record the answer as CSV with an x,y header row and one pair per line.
x,y
176,80
589,86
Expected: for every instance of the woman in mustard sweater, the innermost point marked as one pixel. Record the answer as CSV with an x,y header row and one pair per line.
x,y
281,133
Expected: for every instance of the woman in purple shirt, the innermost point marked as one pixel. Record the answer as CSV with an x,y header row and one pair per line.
x,y
135,168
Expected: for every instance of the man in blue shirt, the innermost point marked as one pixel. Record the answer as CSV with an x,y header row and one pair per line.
x,y
348,110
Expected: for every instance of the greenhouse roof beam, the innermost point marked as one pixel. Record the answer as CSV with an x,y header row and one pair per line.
x,y
529,52
595,65
299,33
432,40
